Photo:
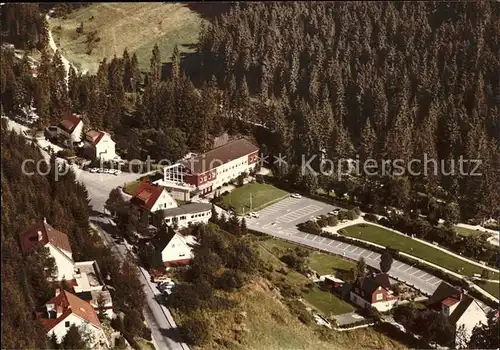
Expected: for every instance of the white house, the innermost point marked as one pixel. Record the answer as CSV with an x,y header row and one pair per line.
x,y
99,145
463,311
71,127
83,277
66,309
178,250
210,170
42,234
193,213
152,198
373,291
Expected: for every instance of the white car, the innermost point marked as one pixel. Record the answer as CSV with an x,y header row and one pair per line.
x,y
93,170
118,172
296,195
106,171
112,171
254,214
334,212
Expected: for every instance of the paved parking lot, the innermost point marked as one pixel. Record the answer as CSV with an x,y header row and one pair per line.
x,y
100,185
280,220
289,212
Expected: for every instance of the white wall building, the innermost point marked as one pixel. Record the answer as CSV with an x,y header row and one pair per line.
x,y
193,213
66,309
71,127
99,145
178,250
42,234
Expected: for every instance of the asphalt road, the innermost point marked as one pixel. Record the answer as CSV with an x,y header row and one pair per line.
x,y
280,220
158,317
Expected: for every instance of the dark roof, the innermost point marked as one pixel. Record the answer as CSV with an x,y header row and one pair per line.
x,y
220,155
443,291
95,136
146,195
370,284
69,122
383,280
31,239
191,208
460,309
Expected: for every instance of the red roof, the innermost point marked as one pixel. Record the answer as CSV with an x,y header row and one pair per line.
x,y
146,195
69,122
66,304
95,136
450,301
40,234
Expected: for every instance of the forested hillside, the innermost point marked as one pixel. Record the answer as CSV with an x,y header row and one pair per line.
x,y
382,80
64,204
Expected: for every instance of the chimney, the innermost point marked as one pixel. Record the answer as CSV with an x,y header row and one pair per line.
x,y
44,220
58,291
40,236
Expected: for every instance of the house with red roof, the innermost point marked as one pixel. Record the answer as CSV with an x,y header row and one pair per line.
x,y
99,145
151,198
66,309
373,291
462,310
71,127
41,234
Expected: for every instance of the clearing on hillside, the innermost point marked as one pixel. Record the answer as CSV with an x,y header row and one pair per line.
x,y
135,26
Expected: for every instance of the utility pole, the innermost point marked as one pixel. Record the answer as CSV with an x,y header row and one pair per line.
x,y
250,202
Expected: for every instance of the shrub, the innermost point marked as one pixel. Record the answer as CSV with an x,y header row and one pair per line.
x,y
66,153
146,333
195,330
259,178
230,280
371,217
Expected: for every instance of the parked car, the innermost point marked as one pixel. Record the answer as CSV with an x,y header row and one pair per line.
x,y
162,278
253,214
106,171
296,195
118,172
334,212
111,171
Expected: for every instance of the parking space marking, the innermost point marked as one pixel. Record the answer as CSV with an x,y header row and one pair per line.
x,y
356,248
432,277
298,213
397,267
331,242
322,240
407,268
339,245
361,253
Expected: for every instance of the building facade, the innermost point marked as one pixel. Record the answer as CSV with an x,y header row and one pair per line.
x,y
178,250
373,291
210,170
71,127
185,215
99,145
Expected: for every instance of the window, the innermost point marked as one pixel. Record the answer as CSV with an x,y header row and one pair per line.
x,y
66,324
379,296
183,254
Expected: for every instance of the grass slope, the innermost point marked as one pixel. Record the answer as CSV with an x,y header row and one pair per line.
x,y
407,245
135,26
262,196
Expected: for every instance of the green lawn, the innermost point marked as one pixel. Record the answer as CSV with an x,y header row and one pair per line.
x,y
327,303
492,288
407,245
326,264
467,232
262,195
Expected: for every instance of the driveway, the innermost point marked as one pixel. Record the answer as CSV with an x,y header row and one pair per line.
x,y
100,185
158,318
280,220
